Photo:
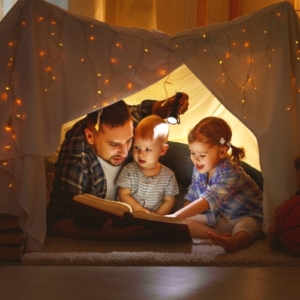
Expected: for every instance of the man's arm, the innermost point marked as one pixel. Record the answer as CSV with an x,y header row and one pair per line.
x,y
68,228
163,107
158,107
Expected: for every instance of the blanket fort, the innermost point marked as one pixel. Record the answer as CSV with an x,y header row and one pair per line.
x,y
49,77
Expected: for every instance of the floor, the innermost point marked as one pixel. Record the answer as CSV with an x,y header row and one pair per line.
x,y
155,283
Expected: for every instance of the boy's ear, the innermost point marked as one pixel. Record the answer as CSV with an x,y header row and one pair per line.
x,y
89,136
164,149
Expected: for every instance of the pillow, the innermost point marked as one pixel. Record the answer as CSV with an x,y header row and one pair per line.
x,y
177,158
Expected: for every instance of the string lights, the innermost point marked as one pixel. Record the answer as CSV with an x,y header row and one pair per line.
x,y
232,49
53,52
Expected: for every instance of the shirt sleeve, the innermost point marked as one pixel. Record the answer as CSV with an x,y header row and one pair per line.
x,y
124,179
141,111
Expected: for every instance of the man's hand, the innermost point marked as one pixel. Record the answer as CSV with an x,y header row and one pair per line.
x,y
110,233
183,103
162,108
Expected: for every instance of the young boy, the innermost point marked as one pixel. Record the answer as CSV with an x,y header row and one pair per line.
x,y
145,184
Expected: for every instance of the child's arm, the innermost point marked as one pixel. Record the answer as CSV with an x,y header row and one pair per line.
x,y
193,209
167,205
125,196
186,202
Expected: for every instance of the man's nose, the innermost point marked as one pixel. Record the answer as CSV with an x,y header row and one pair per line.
x,y
123,150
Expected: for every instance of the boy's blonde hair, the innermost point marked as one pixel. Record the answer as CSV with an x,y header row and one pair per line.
x,y
153,128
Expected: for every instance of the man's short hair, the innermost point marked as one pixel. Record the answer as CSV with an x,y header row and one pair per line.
x,y
114,115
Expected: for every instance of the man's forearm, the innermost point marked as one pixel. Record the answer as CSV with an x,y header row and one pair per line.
x,y
69,229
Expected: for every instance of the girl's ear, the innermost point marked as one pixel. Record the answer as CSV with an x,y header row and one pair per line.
x,y
89,136
223,152
164,149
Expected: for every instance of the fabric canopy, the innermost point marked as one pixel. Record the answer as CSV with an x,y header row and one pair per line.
x,y
57,66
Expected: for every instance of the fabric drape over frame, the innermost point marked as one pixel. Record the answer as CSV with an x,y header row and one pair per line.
x,y
57,66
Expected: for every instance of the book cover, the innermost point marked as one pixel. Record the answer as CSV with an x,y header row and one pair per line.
x,y
9,221
11,251
11,236
93,211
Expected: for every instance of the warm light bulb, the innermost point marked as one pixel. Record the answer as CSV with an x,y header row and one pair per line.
x,y
4,96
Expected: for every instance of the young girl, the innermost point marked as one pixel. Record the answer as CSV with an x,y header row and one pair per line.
x,y
224,203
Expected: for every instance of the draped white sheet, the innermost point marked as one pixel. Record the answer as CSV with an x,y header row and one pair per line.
x,y
248,64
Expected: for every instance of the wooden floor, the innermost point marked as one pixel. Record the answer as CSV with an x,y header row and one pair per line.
x,y
155,283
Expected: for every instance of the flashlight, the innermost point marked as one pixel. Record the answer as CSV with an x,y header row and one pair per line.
x,y
173,117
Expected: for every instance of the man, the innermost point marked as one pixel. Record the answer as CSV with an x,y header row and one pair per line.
x,y
90,159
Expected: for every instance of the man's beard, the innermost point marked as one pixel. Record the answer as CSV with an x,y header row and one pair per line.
x,y
113,163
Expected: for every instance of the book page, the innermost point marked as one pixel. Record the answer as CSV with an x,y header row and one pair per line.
x,y
144,215
115,207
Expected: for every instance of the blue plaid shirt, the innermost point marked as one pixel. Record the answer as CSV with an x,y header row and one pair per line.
x,y
78,169
231,193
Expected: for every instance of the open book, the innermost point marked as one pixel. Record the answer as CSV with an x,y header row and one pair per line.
x,y
93,211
